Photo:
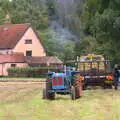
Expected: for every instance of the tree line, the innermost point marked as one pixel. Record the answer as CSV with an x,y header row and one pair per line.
x,y
95,23
101,28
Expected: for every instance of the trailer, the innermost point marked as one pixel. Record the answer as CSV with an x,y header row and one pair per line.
x,y
95,70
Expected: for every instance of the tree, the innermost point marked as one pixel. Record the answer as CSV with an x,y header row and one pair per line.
x,y
101,20
64,50
2,16
30,11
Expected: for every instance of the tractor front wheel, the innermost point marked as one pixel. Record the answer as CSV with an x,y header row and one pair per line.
x,y
51,96
44,93
47,95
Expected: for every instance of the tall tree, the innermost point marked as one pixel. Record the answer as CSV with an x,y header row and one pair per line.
x,y
101,20
2,16
30,11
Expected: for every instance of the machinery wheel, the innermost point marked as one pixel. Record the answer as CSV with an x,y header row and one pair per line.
x,y
73,96
51,96
78,85
107,86
48,84
44,94
78,92
84,87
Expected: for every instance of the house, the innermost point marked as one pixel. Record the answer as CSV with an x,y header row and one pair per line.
x,y
15,38
11,60
19,60
45,61
20,46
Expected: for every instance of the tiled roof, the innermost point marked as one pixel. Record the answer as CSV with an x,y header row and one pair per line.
x,y
12,58
43,60
10,34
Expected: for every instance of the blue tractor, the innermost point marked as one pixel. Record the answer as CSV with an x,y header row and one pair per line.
x,y
67,82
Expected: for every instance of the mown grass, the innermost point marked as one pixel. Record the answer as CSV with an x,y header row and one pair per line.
x,y
94,105
20,79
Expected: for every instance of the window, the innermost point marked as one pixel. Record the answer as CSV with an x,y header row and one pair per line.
x,y
29,53
7,52
13,65
29,41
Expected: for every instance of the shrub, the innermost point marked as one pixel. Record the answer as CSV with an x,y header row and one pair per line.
x,y
29,71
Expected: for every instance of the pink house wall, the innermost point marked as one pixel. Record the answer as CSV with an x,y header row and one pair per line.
x,y
36,46
4,67
1,69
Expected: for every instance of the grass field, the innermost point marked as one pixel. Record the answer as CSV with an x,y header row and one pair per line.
x,y
20,79
24,102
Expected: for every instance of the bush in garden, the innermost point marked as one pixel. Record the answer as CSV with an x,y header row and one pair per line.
x,y
29,71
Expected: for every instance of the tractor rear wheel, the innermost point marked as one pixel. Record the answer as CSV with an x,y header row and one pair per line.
x,y
73,95
78,91
84,87
78,85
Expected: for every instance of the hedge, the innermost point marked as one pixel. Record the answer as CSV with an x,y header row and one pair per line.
x,y
29,71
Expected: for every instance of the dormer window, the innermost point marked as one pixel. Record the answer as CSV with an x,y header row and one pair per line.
x,y
28,41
